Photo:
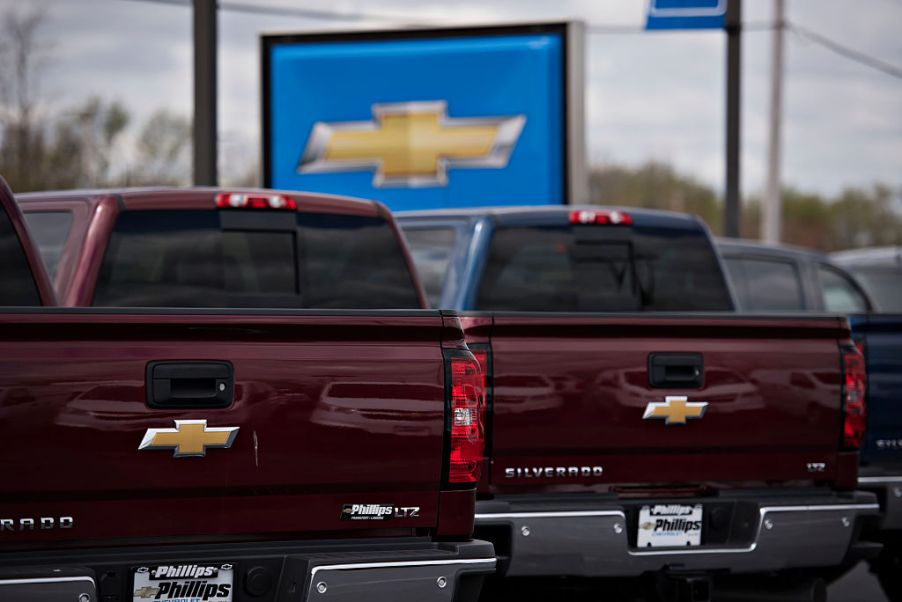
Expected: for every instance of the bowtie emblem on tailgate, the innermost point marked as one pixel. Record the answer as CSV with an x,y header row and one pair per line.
x,y
189,438
675,409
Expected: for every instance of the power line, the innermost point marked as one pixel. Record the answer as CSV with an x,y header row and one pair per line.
x,y
591,28
601,29
842,50
280,11
305,13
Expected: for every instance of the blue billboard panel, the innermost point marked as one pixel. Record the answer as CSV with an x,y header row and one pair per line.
x,y
417,121
686,14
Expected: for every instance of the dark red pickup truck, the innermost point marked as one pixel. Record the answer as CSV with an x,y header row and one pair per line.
x,y
626,439
231,455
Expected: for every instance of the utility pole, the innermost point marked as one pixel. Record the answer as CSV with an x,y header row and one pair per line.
x,y
732,199
205,93
772,211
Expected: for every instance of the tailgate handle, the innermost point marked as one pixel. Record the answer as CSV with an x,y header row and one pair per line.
x,y
188,385
676,370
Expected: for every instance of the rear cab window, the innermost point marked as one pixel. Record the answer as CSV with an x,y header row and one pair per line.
x,y
49,231
840,294
883,284
234,258
592,268
766,284
19,287
432,250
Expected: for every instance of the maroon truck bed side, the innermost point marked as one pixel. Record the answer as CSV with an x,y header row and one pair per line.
x,y
572,391
332,410
582,469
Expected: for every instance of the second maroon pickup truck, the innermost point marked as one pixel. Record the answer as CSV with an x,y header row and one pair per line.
x,y
636,426
231,455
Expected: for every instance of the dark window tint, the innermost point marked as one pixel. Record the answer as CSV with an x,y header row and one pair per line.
x,y
593,268
18,282
185,259
353,262
431,249
839,292
49,231
766,285
883,284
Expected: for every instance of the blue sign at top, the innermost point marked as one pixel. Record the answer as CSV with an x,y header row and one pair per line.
x,y
686,14
417,121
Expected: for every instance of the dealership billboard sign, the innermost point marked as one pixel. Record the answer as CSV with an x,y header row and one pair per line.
x,y
428,118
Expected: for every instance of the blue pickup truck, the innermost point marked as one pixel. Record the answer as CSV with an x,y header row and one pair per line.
x,y
516,258
863,283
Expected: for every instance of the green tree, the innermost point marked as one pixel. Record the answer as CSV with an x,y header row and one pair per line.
x,y
163,152
865,218
22,53
655,186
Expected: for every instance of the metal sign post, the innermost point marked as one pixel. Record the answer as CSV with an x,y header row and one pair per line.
x,y
204,93
732,200
714,14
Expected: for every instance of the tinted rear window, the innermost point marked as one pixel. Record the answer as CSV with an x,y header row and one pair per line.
x,y
49,231
592,268
766,284
18,282
840,294
187,259
883,284
431,249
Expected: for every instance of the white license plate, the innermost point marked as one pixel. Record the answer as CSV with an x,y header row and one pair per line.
x,y
195,582
669,525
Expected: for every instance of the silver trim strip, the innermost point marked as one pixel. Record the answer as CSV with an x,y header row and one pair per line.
x,y
47,580
400,564
762,512
878,480
820,508
573,514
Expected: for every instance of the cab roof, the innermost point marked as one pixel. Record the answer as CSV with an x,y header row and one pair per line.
x,y
552,214
142,199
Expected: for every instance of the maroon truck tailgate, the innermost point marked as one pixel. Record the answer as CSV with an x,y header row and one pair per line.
x,y
575,393
332,409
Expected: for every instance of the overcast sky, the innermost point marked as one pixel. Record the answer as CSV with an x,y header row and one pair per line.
x,y
649,95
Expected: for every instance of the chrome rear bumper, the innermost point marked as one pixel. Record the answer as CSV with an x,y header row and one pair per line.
x,y
800,533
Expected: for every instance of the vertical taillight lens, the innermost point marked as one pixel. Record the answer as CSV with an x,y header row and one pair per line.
x,y
854,393
467,416
481,353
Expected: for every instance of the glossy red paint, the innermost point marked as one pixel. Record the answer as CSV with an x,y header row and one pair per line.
x,y
333,408
571,391
95,212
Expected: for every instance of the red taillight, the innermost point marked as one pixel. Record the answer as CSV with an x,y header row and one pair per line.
x,y
255,200
467,441
854,392
607,218
482,358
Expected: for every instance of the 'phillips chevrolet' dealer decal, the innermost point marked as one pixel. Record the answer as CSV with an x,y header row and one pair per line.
x,y
378,511
178,582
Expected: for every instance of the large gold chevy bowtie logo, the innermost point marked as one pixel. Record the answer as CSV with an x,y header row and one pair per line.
x,y
411,144
675,409
189,438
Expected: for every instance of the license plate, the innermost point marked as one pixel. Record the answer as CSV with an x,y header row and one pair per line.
x,y
669,525
181,582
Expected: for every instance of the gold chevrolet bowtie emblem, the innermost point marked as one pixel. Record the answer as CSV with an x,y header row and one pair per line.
x,y
189,438
675,409
147,592
411,144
